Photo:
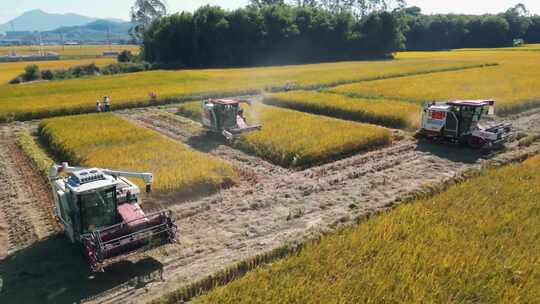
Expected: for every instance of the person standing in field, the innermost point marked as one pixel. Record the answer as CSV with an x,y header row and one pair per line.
x,y
107,104
98,106
153,96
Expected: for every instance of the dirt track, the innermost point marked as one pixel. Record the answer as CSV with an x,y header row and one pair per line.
x,y
270,206
24,198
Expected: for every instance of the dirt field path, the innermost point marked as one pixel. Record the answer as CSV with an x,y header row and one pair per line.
x,y
24,197
270,207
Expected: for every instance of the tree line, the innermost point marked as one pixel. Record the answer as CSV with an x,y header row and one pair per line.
x,y
300,31
438,32
269,34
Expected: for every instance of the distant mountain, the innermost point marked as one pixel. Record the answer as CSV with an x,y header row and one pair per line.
x,y
96,31
38,20
98,25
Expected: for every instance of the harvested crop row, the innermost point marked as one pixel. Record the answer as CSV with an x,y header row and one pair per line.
x,y
40,160
514,84
295,139
476,242
108,141
56,98
388,113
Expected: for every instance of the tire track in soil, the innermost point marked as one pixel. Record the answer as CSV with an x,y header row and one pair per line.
x,y
284,205
24,197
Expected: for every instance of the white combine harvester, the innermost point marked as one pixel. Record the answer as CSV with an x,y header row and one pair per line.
x,y
100,209
461,121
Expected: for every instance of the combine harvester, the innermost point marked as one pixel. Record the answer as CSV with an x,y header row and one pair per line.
x,y
100,209
225,116
460,121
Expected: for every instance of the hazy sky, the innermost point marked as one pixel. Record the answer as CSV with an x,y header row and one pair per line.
x,y
120,8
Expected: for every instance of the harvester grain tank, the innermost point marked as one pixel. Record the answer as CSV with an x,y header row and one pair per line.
x,y
101,210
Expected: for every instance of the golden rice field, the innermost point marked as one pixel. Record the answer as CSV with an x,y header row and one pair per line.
x,y
295,139
388,113
478,242
69,51
108,141
10,70
513,83
525,47
74,96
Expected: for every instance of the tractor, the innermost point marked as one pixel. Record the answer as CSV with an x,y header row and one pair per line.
x,y
225,117
100,209
460,121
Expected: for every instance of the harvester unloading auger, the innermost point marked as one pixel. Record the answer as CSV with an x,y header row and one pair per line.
x,y
100,209
225,116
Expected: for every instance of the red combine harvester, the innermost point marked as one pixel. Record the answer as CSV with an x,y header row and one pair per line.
x,y
100,209
461,121
225,116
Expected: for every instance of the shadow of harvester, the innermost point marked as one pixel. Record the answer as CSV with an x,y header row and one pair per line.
x,y
452,152
55,271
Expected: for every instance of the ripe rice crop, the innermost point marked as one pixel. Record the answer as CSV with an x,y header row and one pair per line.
x,y
10,70
477,242
192,109
513,83
69,51
108,141
74,96
388,113
295,139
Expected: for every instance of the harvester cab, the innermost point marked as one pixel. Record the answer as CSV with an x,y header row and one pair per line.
x,y
461,121
225,116
100,209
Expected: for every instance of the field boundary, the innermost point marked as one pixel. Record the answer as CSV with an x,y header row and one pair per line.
x,y
130,104
236,271
363,116
397,75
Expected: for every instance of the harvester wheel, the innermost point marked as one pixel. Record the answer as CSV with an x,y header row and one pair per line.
x,y
476,142
419,135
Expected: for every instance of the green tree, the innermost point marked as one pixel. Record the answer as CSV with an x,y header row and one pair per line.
x,y
261,3
210,35
143,13
268,34
533,32
31,72
380,33
125,56
518,21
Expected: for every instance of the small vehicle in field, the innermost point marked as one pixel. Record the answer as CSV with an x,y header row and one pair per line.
x,y
225,116
100,209
461,121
